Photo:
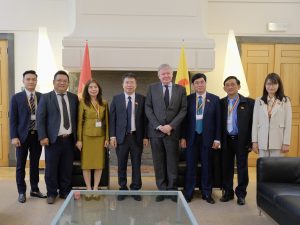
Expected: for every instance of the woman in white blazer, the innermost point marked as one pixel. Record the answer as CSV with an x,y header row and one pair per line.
x,y
272,120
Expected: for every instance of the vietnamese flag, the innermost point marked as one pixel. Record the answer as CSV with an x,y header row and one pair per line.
x,y
85,74
182,75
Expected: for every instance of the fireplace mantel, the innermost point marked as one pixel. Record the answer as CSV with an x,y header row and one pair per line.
x,y
139,35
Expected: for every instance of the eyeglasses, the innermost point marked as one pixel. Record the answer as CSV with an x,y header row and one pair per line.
x,y
62,81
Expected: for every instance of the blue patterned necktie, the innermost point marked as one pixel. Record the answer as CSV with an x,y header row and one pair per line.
x,y
199,122
129,111
230,117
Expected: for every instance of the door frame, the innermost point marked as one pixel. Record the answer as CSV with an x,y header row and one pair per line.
x,y
10,38
265,40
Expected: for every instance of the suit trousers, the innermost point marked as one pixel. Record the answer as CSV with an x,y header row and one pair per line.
x,y
59,163
165,153
198,152
33,146
231,152
129,146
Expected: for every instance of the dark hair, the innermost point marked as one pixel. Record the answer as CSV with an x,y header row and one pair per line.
x,y
61,72
87,98
232,78
128,75
275,79
197,76
29,72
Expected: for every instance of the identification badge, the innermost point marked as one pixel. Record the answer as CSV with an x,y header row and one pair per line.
x,y
229,120
199,117
32,117
98,124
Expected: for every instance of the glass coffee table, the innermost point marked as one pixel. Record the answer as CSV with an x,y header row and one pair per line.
x,y
107,207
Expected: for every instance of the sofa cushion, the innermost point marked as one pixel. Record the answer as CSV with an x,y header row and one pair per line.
x,y
290,204
271,191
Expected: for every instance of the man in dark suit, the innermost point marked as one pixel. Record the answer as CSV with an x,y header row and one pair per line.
x,y
165,108
236,111
127,123
57,123
202,135
23,133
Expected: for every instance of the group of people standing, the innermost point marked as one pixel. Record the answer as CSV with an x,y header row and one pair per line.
x,y
199,123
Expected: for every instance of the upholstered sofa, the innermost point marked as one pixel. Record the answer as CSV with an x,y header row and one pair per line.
x,y
278,189
77,177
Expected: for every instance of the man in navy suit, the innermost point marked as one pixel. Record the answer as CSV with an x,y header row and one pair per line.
x,y
24,136
127,123
201,136
57,125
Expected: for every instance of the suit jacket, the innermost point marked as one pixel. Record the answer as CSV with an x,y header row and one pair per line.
x,y
211,120
118,118
244,122
48,116
276,132
158,114
87,118
19,115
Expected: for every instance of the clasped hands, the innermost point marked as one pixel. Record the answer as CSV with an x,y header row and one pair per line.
x,y
166,129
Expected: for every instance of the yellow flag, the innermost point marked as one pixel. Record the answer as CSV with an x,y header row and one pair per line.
x,y
182,75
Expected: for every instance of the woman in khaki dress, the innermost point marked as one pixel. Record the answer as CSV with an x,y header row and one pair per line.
x,y
92,132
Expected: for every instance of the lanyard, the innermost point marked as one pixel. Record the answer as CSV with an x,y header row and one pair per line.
x,y
96,107
230,110
201,105
270,108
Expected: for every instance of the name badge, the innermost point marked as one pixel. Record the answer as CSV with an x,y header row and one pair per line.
x,y
229,120
32,117
98,124
199,117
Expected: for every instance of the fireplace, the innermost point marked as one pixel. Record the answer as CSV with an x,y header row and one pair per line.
x,y
139,35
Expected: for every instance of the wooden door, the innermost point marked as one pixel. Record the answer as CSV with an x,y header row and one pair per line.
x,y
258,61
287,64
4,136
284,59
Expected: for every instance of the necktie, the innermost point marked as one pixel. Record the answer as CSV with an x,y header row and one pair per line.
x,y
32,110
65,112
199,122
230,117
167,96
129,111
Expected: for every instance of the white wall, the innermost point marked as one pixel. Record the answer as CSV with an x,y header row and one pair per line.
x,y
23,18
246,18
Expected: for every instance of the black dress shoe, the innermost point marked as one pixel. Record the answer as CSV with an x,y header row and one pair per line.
x,y
241,201
22,198
63,196
173,198
226,197
37,194
209,199
188,199
121,197
137,198
159,198
50,199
